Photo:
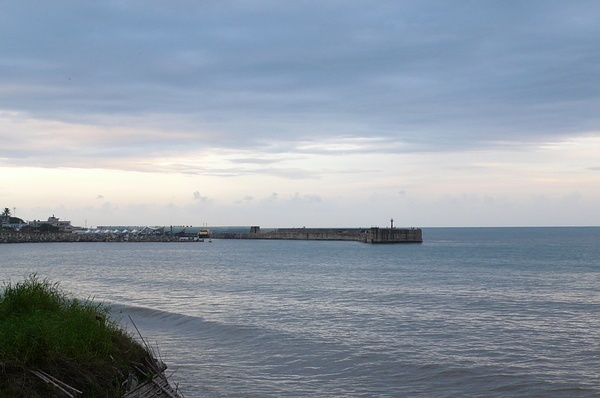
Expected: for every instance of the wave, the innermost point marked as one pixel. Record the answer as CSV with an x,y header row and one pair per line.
x,y
150,320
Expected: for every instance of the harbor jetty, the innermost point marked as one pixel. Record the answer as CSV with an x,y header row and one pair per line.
x,y
365,235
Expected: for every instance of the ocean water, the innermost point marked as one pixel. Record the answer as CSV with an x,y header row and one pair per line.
x,y
477,312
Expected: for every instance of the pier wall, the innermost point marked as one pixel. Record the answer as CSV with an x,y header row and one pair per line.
x,y
366,235
395,235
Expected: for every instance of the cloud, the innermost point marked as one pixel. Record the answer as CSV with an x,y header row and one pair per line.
x,y
430,75
201,198
271,198
254,161
245,199
350,100
99,197
305,198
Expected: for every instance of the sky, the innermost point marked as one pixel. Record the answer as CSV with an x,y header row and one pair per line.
x,y
304,113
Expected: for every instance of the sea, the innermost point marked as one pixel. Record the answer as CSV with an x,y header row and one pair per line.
x,y
470,312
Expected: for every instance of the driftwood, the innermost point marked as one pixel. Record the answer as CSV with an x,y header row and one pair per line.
x,y
158,385
69,391
155,385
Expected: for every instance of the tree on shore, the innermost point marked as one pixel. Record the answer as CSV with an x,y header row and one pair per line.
x,y
5,218
48,228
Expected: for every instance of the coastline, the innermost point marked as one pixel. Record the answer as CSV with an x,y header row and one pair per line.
x,y
374,235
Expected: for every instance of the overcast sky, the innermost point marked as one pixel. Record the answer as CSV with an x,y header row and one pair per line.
x,y
316,113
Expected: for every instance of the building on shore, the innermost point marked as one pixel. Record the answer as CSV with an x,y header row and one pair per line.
x,y
12,223
53,224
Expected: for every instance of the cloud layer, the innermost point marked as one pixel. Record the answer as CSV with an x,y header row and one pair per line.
x,y
433,74
299,91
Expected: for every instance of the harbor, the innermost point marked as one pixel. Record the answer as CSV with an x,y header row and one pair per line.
x,y
374,235
15,230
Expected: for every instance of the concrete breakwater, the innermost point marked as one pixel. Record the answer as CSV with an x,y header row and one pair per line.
x,y
366,235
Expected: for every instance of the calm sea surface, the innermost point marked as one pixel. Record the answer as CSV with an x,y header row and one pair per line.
x,y
488,312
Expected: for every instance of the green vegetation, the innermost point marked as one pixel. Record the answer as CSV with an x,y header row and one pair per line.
x,y
6,218
42,328
47,228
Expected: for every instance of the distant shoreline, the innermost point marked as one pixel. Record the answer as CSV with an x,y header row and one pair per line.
x,y
365,235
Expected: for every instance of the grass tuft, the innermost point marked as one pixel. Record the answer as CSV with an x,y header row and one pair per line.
x,y
42,327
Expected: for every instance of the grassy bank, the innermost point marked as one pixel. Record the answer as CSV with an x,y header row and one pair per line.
x,y
44,329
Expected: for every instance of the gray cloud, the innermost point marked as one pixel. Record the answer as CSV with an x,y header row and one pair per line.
x,y
297,197
199,197
254,161
432,75
245,199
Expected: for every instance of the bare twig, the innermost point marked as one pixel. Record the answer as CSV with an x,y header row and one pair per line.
x,y
56,383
